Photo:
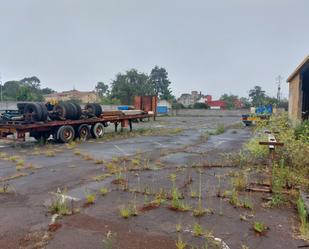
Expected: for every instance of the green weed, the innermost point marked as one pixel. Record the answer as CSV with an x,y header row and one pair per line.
x,y
197,230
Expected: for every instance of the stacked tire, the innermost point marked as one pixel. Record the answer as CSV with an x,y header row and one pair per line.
x,y
68,110
33,111
94,109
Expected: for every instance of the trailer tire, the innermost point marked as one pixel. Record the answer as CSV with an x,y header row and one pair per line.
x,y
97,130
98,109
61,110
44,111
21,107
78,112
65,134
34,111
71,110
94,109
91,109
83,132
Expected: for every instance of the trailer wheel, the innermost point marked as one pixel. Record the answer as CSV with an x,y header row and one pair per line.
x,y
83,132
65,134
61,110
94,109
33,112
44,111
97,130
98,109
71,110
78,111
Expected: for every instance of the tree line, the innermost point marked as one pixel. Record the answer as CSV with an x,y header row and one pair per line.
x,y
26,89
129,84
133,83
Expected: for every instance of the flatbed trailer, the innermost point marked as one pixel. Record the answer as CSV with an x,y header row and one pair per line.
x,y
66,130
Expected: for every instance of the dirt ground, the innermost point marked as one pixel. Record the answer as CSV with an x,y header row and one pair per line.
x,y
136,172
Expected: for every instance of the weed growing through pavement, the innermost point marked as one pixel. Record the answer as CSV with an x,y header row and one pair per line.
x,y
239,182
178,227
3,155
50,153
20,164
90,197
220,129
104,191
200,210
13,158
278,181
193,194
4,189
247,203
59,204
180,244
234,199
71,145
197,230
125,212
177,204
259,227
101,177
302,213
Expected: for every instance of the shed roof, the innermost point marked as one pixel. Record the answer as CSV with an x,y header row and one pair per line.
x,y
296,71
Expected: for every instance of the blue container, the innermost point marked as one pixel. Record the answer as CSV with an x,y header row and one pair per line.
x,y
267,109
162,109
123,108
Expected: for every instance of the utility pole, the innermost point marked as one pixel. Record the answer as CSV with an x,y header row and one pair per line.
x,y
278,81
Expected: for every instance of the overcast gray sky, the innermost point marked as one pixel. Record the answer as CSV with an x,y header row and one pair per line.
x,y
213,46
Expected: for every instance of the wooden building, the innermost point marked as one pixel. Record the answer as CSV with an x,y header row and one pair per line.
x,y
299,92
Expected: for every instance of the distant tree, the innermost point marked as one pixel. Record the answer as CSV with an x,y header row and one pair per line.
x,y
27,89
25,93
245,102
130,84
107,100
47,90
270,101
10,90
176,105
101,89
229,100
284,103
257,96
33,81
160,82
200,106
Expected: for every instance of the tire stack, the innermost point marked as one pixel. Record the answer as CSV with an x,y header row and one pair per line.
x,y
68,110
93,109
33,111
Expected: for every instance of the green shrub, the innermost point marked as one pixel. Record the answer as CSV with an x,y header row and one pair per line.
x,y
302,131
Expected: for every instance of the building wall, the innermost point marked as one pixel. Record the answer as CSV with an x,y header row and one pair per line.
x,y
163,102
84,97
295,99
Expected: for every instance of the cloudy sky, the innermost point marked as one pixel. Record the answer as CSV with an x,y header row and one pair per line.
x,y
222,46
